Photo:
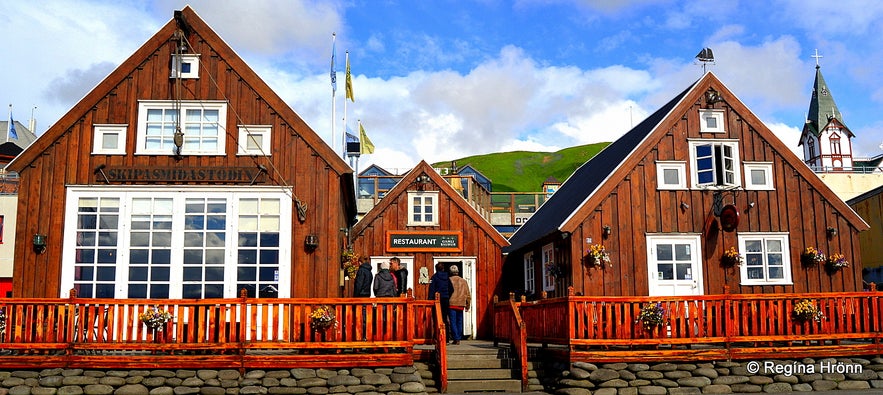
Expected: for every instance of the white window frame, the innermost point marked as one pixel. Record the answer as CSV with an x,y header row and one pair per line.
x,y
145,105
530,287
781,237
548,255
680,167
102,130
716,162
179,195
717,115
766,168
245,133
429,199
188,59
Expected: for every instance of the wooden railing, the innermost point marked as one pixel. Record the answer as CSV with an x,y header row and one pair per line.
x,y
241,332
511,323
709,327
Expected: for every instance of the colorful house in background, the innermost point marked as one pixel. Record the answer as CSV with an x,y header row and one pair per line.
x,y
424,221
699,177
181,175
13,145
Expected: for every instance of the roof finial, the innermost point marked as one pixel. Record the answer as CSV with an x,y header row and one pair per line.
x,y
817,56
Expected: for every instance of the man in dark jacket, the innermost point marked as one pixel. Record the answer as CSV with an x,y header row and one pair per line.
x,y
440,283
401,275
364,279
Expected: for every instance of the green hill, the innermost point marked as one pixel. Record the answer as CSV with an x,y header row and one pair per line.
x,y
524,171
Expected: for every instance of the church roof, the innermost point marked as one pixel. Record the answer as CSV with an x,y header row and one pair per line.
x,y
822,108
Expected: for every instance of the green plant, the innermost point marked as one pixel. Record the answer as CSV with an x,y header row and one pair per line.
x,y
811,256
350,262
731,257
836,262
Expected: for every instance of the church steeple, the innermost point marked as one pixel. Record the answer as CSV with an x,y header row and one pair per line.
x,y
825,138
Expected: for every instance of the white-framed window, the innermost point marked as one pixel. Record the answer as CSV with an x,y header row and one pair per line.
x,y
187,243
671,175
254,140
715,163
711,121
185,66
203,126
109,139
422,208
548,257
759,176
767,261
530,287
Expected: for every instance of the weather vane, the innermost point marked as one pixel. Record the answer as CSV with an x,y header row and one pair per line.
x,y
705,56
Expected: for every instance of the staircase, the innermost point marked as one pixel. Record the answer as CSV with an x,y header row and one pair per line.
x,y
478,366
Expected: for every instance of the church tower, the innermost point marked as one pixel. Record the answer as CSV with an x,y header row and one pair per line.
x,y
826,141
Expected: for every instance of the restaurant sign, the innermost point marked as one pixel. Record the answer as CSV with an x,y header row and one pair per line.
x,y
179,174
415,241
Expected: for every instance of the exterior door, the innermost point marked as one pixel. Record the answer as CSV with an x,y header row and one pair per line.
x,y
674,265
467,271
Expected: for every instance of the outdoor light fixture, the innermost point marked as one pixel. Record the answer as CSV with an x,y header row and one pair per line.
x,y
39,243
606,231
311,242
832,231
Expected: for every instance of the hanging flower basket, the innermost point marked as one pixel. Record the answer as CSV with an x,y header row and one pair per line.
x,y
350,261
322,317
651,316
835,263
811,257
731,257
806,310
554,270
597,256
155,318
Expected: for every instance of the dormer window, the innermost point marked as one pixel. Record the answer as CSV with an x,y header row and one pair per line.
x,y
185,66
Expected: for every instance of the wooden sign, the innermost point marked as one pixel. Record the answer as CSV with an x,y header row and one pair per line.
x,y
416,241
179,174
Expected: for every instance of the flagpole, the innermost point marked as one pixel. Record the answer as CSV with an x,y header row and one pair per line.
x,y
347,88
8,123
333,89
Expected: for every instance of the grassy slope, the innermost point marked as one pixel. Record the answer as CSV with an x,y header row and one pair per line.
x,y
522,171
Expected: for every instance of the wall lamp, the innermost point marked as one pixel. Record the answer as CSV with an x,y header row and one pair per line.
x,y
712,96
606,231
311,242
39,243
831,231
422,179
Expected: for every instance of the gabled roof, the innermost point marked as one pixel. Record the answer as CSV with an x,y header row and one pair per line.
x,y
409,179
199,28
375,170
24,135
595,179
480,178
822,109
586,180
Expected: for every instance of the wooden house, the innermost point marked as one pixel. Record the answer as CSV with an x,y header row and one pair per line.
x,y
869,206
181,175
423,221
700,176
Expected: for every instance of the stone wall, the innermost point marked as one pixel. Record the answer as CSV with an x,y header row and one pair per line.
x,y
762,376
211,382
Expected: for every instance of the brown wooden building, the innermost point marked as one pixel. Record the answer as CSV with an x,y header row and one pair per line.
x,y
181,175
698,177
423,221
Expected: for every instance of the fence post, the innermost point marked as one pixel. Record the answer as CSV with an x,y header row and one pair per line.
x,y
729,324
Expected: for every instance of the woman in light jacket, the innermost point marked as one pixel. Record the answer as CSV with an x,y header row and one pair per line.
x,y
460,299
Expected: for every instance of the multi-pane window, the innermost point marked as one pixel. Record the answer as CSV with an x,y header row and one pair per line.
x,y
529,274
548,257
109,139
258,242
766,259
95,250
150,251
715,163
422,208
835,145
202,125
193,243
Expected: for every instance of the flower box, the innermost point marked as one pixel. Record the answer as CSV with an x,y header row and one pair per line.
x,y
597,256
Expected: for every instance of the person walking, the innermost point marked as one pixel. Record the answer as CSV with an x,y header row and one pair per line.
x,y
461,299
440,284
364,278
401,275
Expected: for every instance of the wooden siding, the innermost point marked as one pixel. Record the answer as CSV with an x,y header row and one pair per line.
x,y
871,209
299,159
630,203
479,240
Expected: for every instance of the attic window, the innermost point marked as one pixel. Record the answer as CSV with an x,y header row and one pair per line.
x,y
671,175
254,140
715,163
185,66
109,139
711,121
422,208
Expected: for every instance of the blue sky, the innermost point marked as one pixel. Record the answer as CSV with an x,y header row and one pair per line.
x,y
438,80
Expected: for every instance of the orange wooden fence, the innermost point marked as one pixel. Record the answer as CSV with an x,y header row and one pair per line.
x,y
708,327
242,332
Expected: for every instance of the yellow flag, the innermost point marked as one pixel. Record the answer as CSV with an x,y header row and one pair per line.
x,y
367,145
349,80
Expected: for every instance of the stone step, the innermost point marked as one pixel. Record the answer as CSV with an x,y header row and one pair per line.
x,y
463,386
477,364
479,374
